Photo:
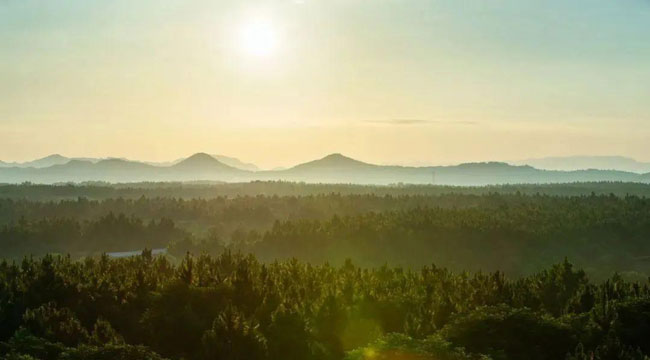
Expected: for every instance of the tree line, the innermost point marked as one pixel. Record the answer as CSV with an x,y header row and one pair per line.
x,y
192,190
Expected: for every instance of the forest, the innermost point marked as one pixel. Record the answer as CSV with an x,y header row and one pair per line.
x,y
517,233
233,306
282,270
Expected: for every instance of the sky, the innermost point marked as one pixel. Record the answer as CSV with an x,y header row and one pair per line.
x,y
279,82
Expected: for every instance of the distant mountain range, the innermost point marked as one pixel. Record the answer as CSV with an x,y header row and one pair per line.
x,y
57,159
569,163
334,168
47,161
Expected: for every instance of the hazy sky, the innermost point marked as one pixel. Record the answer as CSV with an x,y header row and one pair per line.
x,y
279,82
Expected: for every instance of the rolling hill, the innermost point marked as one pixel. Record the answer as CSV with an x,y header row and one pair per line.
x,y
197,167
337,168
50,160
571,163
56,159
334,168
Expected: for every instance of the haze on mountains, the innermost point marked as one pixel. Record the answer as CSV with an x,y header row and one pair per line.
x,y
334,168
230,161
569,163
57,159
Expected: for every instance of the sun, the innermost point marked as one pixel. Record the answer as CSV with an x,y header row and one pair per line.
x,y
258,37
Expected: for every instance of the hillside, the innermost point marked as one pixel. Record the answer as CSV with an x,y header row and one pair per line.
x,y
197,167
236,163
334,168
571,163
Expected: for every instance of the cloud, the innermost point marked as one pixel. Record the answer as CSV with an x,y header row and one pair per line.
x,y
418,122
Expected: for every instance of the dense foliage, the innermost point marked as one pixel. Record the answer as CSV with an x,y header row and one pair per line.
x,y
515,233
66,235
234,307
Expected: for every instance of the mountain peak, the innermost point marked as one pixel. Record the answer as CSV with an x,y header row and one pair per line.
x,y
202,161
54,157
198,159
200,156
337,157
50,160
335,160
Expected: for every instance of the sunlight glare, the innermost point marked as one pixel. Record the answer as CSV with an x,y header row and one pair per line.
x,y
258,38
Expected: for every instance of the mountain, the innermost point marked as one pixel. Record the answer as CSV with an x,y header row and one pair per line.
x,y
334,162
337,168
571,163
50,160
202,166
200,161
47,161
230,161
196,167
236,163
111,170
334,168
